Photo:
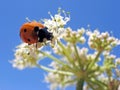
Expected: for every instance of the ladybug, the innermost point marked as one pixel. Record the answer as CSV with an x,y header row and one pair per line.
x,y
34,32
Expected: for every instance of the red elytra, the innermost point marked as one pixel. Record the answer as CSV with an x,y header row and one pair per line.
x,y
27,33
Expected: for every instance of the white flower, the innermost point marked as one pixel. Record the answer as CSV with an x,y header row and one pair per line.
x,y
81,31
115,42
119,87
53,79
103,78
101,41
57,80
117,60
105,53
56,24
95,33
117,72
54,65
82,40
109,56
26,56
105,34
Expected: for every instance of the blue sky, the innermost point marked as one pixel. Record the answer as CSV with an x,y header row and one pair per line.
x,y
101,14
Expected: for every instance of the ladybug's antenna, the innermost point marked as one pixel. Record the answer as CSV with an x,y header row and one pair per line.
x,y
28,19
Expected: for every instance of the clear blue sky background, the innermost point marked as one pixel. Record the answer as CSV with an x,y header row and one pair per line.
x,y
101,14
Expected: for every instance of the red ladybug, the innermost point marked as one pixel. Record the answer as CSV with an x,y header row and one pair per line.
x,y
33,32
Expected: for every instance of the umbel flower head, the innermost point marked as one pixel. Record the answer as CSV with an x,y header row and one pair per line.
x,y
57,22
26,56
73,62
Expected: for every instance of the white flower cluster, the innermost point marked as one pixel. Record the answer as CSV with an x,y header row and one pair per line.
x,y
74,36
26,56
56,81
56,23
101,41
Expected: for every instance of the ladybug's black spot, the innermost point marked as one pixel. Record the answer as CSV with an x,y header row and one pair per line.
x,y
28,39
36,29
25,30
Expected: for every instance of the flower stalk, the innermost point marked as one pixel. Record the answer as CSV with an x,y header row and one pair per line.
x,y
54,71
94,61
80,84
78,57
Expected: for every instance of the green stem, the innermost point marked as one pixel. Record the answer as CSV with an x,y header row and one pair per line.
x,y
57,60
80,84
94,61
53,58
80,65
91,86
54,71
100,84
65,52
68,56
